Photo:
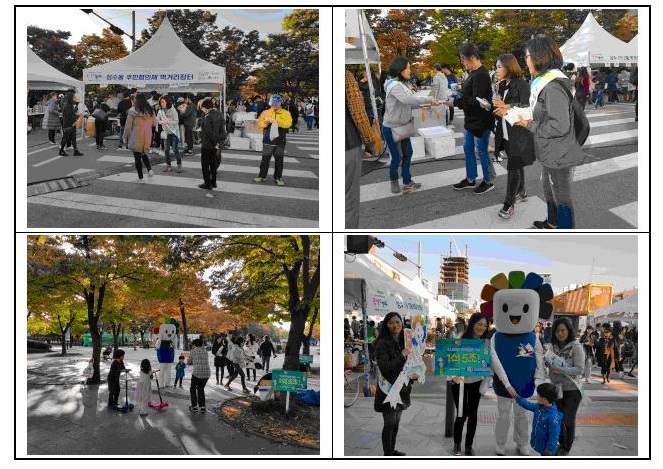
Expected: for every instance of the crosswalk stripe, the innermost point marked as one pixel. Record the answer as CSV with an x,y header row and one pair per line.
x,y
306,148
224,167
594,115
612,122
611,137
487,218
606,166
47,161
79,171
628,213
382,190
175,213
265,189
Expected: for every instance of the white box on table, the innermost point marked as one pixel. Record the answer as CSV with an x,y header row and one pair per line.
x,y
239,143
439,141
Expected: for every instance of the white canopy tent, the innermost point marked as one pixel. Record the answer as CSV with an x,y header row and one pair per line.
x,y
42,76
356,25
435,308
592,45
163,64
634,41
624,310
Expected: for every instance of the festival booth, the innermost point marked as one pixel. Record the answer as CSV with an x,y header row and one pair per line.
x,y
625,311
593,46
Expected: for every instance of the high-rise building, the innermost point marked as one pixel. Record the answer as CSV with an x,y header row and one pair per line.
x,y
454,281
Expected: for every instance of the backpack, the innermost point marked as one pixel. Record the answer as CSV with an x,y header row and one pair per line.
x,y
580,121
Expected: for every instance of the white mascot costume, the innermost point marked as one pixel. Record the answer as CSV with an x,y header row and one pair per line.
x,y
515,303
165,346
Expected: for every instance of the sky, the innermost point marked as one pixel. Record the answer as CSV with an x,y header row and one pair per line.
x,y
78,23
570,259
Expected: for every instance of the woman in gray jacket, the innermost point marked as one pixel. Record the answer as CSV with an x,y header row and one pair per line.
x,y
398,112
566,376
555,142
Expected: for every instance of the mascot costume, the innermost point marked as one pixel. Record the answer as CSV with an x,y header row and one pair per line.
x,y
515,303
165,345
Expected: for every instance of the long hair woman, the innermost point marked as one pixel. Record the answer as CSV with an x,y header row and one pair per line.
x,y
567,378
138,133
555,142
391,355
477,328
399,103
512,91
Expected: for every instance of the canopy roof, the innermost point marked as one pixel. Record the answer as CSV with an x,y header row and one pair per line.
x,y
42,76
593,45
383,293
164,63
355,55
626,309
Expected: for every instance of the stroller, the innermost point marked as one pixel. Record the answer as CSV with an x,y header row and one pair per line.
x,y
106,353
161,403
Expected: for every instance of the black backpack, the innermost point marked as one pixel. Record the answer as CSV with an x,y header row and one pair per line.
x,y
580,121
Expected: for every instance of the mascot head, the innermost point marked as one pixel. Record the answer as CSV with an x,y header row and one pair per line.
x,y
515,303
167,332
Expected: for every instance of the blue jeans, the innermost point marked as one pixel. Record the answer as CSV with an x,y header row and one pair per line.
x,y
406,146
470,158
309,122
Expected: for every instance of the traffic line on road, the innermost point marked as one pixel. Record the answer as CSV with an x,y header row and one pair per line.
x,y
174,213
50,160
265,189
382,190
628,213
224,167
611,137
606,166
487,218
594,125
79,171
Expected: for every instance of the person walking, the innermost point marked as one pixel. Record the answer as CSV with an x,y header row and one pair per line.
x,y
100,114
239,359
138,134
555,143
391,355
309,114
69,124
251,352
168,118
219,350
123,110
587,341
398,124
566,376
266,351
512,91
273,140
606,347
440,88
52,117
475,101
199,375
212,137
188,115
474,387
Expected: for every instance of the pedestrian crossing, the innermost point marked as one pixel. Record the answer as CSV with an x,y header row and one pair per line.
x,y
303,143
605,189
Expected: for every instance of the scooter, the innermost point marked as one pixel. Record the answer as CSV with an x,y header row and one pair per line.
x,y
161,404
127,407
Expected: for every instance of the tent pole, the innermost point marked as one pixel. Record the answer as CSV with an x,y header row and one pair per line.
x,y
367,365
362,33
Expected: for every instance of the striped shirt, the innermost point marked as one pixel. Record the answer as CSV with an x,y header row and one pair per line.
x,y
198,357
355,103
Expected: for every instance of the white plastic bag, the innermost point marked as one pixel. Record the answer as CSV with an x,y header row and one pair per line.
x,y
273,132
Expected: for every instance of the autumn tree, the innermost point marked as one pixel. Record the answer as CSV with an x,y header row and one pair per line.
x,y
304,24
52,47
291,67
240,54
271,278
94,50
626,28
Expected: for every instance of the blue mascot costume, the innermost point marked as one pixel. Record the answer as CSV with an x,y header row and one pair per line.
x,y
515,303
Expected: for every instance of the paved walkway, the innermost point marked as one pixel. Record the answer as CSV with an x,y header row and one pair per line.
x,y
607,423
66,418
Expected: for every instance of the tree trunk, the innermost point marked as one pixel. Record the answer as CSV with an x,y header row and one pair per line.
x,y
185,337
64,342
116,335
291,360
307,342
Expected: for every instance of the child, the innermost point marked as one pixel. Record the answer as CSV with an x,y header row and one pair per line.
x,y
88,372
144,387
117,367
547,421
179,371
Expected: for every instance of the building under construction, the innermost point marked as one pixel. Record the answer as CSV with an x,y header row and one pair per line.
x,y
454,280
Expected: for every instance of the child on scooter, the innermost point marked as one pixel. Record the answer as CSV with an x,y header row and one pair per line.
x,y
144,387
117,367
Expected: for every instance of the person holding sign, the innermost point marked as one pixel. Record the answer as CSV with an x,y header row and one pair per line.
x,y
473,387
391,355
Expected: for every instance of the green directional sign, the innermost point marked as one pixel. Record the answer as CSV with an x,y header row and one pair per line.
x,y
292,381
306,359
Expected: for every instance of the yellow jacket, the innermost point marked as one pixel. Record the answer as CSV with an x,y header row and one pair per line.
x,y
282,116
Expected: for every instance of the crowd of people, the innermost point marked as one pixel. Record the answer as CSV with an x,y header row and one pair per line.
x,y
547,134
559,389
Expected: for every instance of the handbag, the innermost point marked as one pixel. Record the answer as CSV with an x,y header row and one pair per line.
x,y
403,131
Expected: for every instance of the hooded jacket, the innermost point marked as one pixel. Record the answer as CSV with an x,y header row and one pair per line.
x,y
399,103
546,426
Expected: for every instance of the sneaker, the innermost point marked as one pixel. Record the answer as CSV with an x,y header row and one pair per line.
x,y
279,182
521,197
214,185
227,386
246,391
204,186
543,225
484,187
500,450
465,184
395,186
398,453
179,168
413,186
469,451
139,180
202,409
102,147
52,142
143,414
150,174
62,153
523,450
167,169
506,214
456,451
77,153
258,179
193,408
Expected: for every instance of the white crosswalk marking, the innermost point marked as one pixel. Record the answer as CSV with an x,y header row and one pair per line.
x,y
628,213
611,137
173,213
599,168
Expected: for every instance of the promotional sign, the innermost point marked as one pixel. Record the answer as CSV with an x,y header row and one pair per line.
x,y
306,359
462,357
291,381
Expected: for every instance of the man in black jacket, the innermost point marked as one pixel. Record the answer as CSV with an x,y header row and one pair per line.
x,y
212,137
475,100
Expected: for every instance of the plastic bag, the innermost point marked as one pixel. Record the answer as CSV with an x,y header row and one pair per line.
x,y
273,132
